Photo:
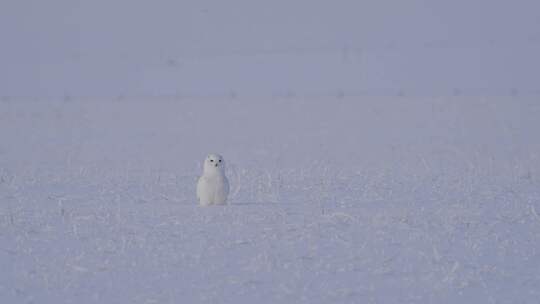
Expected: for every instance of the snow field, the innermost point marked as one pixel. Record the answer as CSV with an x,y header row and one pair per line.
x,y
370,200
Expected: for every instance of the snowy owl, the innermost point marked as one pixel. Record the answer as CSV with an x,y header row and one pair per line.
x,y
213,186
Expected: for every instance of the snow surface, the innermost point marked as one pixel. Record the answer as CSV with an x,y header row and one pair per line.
x,y
107,109
343,200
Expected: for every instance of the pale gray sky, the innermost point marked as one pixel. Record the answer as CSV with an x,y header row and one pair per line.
x,y
133,47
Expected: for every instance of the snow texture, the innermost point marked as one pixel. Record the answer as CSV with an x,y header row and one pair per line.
x,y
377,151
345,200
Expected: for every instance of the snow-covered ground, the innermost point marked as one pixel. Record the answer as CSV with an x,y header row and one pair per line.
x,y
345,200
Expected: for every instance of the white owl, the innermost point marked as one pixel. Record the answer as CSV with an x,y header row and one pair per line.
x,y
213,186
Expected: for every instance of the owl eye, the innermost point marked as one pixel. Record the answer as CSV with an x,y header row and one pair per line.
x,y
220,160
211,160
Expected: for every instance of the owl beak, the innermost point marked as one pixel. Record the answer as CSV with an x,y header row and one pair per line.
x,y
216,165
